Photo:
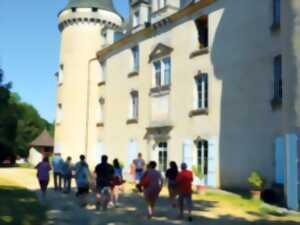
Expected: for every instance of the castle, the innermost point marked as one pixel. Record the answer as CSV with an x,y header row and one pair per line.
x,y
214,83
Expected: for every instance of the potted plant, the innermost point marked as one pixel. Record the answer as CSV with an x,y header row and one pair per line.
x,y
257,183
200,185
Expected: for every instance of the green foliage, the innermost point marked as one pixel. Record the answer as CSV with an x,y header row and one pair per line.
x,y
256,180
20,123
198,171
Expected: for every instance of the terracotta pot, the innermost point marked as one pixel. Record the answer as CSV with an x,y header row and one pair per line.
x,y
201,189
256,194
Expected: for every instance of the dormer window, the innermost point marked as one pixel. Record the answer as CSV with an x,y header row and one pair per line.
x,y
158,4
202,28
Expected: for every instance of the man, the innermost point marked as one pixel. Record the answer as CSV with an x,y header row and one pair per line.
x,y
67,169
82,177
104,176
57,163
184,182
139,165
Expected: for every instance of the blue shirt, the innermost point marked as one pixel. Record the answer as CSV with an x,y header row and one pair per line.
x,y
57,163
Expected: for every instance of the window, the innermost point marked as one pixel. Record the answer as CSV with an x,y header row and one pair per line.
x,y
136,58
60,75
100,112
134,105
162,72
162,156
202,28
136,19
59,113
94,9
202,155
276,13
278,78
202,91
104,36
103,71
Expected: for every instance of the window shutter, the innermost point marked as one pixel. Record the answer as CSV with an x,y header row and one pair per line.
x,y
292,172
188,153
212,162
132,153
279,160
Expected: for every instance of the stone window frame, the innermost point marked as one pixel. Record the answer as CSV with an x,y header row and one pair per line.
x,y
133,114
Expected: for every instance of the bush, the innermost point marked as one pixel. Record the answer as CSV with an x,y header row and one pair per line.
x,y
256,181
197,170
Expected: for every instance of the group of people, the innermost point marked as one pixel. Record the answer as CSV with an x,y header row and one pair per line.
x,y
106,181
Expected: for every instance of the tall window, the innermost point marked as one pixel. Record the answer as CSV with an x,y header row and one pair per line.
x,y
202,153
103,71
61,75
136,18
136,58
100,112
276,13
202,91
202,28
59,113
278,78
134,105
162,72
163,156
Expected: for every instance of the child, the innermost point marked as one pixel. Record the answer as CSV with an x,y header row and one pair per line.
x,y
43,169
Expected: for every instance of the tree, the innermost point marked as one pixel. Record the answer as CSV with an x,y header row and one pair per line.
x,y
29,125
8,121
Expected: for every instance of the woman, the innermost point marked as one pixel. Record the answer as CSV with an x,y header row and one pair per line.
x,y
152,183
117,181
82,177
171,175
43,169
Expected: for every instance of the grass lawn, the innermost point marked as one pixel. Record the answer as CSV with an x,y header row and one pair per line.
x,y
19,206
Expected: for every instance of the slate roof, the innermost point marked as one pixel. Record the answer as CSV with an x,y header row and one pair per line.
x,y
43,140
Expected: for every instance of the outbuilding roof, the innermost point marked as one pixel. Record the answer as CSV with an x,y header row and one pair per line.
x,y
43,140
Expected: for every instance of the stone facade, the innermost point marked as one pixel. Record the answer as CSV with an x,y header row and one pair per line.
x,y
201,100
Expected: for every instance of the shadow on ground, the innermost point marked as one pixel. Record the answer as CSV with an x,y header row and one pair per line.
x,y
132,210
20,207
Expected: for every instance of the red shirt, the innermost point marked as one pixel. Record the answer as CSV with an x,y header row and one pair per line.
x,y
184,182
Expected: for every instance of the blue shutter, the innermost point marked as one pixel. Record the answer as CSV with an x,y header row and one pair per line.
x,y
212,162
188,153
292,172
279,160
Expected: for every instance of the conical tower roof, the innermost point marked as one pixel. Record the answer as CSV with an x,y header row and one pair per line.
x,y
43,140
99,4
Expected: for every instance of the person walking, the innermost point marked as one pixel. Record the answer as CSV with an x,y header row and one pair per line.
x,y
57,163
104,177
152,182
171,175
184,182
139,165
117,181
67,169
82,177
43,169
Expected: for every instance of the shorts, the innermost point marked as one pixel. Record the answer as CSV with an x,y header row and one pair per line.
x,y
138,175
185,198
83,190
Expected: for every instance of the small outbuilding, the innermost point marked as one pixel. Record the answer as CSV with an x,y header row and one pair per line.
x,y
41,146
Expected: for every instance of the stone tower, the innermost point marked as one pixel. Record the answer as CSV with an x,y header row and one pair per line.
x,y
81,23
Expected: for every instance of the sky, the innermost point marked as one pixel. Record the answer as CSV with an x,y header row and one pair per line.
x,y
29,49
